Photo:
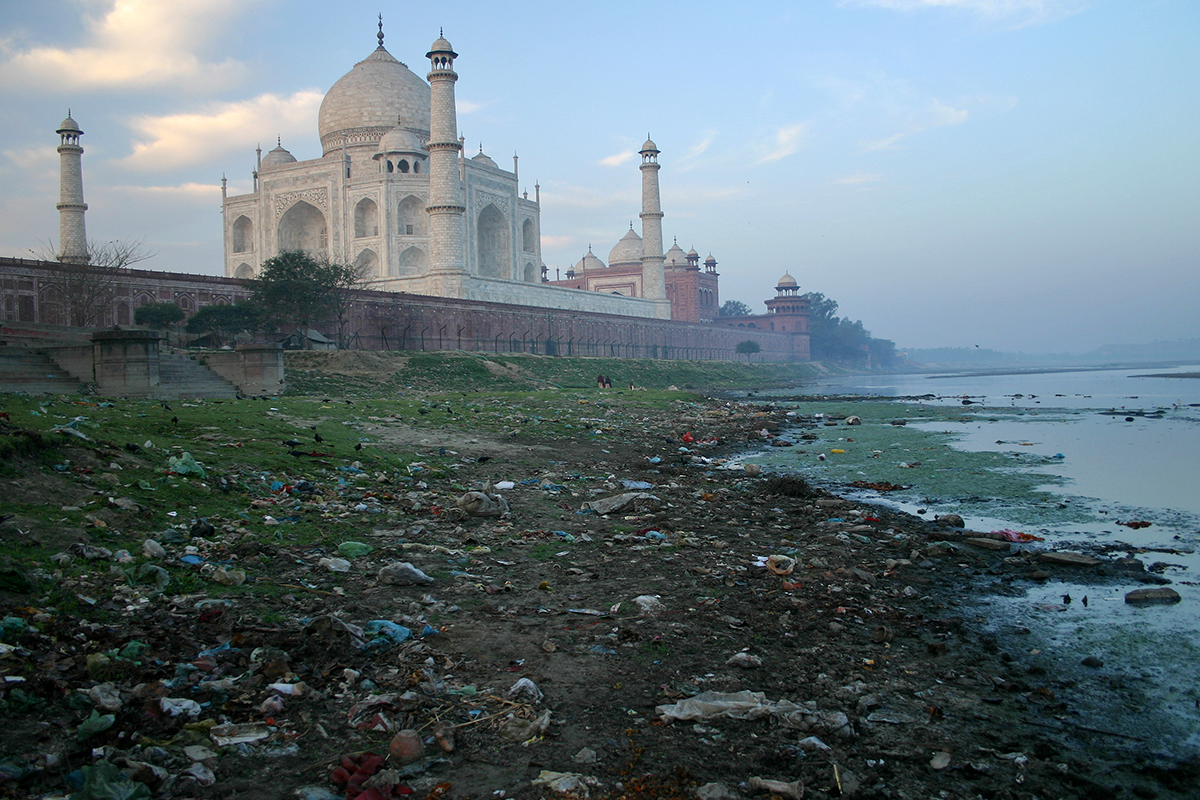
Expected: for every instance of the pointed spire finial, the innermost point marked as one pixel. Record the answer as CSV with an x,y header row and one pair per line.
x,y
441,31
380,34
278,140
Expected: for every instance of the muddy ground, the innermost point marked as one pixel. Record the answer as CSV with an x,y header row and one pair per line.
x,y
845,623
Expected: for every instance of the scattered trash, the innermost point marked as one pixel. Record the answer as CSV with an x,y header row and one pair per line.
x,y
637,501
482,504
402,573
525,690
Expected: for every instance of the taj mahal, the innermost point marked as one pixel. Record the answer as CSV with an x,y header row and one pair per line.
x,y
395,195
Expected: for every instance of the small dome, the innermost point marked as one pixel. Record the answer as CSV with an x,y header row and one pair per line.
x,y
589,262
787,280
399,140
626,251
710,260
68,125
485,160
675,254
441,46
692,253
276,157
649,146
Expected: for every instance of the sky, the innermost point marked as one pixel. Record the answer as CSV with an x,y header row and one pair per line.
x,y
1020,175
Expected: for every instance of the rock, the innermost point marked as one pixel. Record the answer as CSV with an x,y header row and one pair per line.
x,y
637,501
1068,559
402,573
406,747
950,521
1038,575
1093,662
1160,596
853,420
715,791
830,502
479,504
586,756
940,760
743,660
988,544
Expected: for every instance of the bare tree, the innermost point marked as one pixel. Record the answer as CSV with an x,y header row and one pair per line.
x,y
85,290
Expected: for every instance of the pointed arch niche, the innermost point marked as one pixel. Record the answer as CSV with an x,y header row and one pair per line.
x,y
302,227
366,218
413,261
528,237
367,263
243,235
412,217
492,235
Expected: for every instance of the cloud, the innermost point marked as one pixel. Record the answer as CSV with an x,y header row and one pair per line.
x,y
132,44
936,115
33,158
188,192
857,178
557,241
176,140
786,141
463,106
1025,12
617,159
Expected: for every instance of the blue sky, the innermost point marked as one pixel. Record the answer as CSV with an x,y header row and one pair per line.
x,y
1014,174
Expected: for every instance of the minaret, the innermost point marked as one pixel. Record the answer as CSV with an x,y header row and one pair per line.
x,y
447,262
654,282
72,237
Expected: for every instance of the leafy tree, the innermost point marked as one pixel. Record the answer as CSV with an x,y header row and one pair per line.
x,y
734,308
226,321
296,288
158,315
748,348
842,340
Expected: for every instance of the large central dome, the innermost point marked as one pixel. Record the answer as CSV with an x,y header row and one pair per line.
x,y
378,94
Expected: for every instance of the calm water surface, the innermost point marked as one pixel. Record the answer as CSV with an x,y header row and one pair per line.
x,y
1141,463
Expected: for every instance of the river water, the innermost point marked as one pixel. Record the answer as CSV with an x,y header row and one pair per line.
x,y
1067,456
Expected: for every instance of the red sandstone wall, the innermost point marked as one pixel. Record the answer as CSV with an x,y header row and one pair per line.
x,y
382,320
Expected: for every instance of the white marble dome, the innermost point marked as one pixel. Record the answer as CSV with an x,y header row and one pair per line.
x,y
675,254
484,159
399,140
786,280
276,157
368,101
589,262
626,251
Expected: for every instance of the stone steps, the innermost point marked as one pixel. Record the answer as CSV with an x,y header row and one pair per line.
x,y
182,377
26,370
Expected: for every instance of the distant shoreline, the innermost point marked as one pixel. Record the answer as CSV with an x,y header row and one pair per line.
x,y
1169,375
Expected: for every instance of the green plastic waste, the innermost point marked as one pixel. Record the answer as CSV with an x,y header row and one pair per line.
x,y
185,465
105,782
354,549
147,574
96,723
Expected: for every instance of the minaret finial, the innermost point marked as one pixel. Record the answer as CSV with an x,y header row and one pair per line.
x,y
380,34
278,140
441,31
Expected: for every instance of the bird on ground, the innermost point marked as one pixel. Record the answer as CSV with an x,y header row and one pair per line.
x,y
291,443
164,405
318,438
358,446
483,459
1085,601
174,420
1067,599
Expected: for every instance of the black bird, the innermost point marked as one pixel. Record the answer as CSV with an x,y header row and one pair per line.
x,y
483,459
1067,599
358,446
133,448
174,420
1085,601
422,411
318,438
164,405
291,443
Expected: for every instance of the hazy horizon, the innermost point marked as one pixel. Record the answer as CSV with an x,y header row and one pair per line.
x,y
1021,175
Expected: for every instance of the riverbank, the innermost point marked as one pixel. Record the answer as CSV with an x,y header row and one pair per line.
x,y
716,581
